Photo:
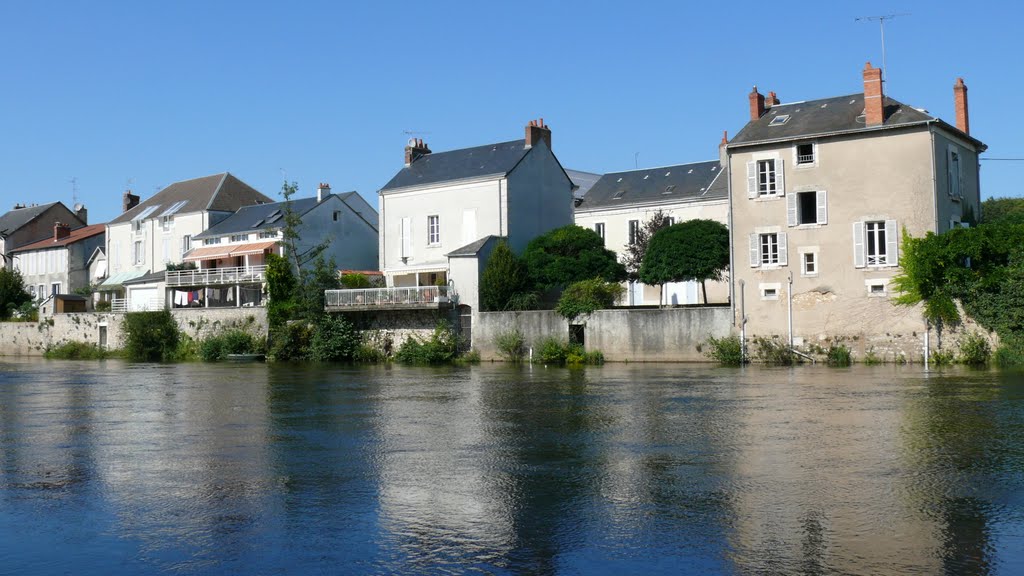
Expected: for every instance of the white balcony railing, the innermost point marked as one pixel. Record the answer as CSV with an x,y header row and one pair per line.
x,y
389,297
122,305
215,276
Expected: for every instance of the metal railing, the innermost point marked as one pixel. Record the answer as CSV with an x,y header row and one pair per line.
x,y
805,159
120,305
215,276
386,297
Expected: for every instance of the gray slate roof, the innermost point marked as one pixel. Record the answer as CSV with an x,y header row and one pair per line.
x,y
583,181
258,216
694,181
472,248
492,159
825,116
219,192
15,219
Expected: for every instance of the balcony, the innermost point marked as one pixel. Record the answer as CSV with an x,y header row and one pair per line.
x,y
413,298
121,305
216,276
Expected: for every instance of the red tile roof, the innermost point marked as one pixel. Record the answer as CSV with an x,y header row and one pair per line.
x,y
76,235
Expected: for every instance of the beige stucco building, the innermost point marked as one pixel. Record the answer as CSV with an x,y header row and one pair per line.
x,y
620,203
820,193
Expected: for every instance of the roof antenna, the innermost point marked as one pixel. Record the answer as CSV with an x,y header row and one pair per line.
x,y
636,160
74,190
881,28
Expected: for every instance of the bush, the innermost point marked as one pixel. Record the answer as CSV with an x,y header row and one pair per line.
x,y
1010,352
551,350
974,350
838,355
76,351
354,280
471,357
504,280
871,358
13,293
524,301
233,341
150,336
291,342
774,352
102,306
334,339
584,297
940,358
569,254
442,347
727,350
511,345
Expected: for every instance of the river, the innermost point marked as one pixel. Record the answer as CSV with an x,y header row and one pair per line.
x,y
117,468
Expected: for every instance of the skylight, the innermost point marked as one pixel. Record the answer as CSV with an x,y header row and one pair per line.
x,y
142,215
257,224
669,189
779,120
668,174
619,194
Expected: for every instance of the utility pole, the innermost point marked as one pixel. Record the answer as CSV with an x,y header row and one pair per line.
x,y
881,28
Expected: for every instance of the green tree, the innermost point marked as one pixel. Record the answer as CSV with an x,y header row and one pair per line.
x,y
298,252
13,294
696,250
314,280
281,287
1003,211
150,336
503,279
584,297
633,256
570,254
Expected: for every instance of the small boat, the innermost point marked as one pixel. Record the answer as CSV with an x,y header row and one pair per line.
x,y
246,357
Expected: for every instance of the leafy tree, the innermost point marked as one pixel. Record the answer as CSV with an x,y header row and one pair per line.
x,y
298,253
570,254
281,286
13,294
334,339
584,297
355,280
695,250
1003,211
632,258
313,282
503,280
150,336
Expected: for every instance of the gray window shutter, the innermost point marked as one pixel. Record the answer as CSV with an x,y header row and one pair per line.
x,y
949,173
783,250
892,257
751,179
822,207
791,210
858,245
755,251
780,180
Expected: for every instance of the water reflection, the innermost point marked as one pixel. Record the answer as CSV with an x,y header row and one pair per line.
x,y
210,469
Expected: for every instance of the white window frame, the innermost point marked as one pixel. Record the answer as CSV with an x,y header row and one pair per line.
x,y
186,244
769,290
167,222
793,209
55,288
599,228
796,155
434,230
815,253
861,242
633,232
239,238
761,240
871,284
42,291
211,241
758,166
138,252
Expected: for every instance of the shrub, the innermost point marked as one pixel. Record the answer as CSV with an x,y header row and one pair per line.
x,y
584,297
354,280
974,350
569,254
551,350
233,341
838,355
150,336
441,347
524,301
102,306
940,358
774,352
291,342
504,280
1010,352
471,357
511,345
871,358
76,351
334,339
727,350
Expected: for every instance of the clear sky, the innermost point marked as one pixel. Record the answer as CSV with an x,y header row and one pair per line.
x,y
143,94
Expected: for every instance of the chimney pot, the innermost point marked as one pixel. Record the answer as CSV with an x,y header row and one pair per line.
x,y
874,101
537,131
963,121
416,149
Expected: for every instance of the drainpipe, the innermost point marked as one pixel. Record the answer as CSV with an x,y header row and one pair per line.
x,y
743,321
789,298
732,263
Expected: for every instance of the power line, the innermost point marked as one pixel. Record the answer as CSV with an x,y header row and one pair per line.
x,y
1004,159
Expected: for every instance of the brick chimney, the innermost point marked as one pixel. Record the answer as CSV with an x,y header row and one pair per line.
x,y
61,231
723,155
874,105
129,201
771,100
960,103
82,212
322,191
536,131
756,105
415,150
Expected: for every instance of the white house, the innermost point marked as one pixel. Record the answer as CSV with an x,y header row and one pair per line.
x,y
619,204
149,235
59,264
439,203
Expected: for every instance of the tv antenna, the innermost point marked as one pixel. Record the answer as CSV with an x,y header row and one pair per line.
x,y
415,132
74,189
881,28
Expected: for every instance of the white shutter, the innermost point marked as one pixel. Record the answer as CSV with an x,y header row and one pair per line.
x,y
822,207
751,179
468,226
780,179
791,210
858,245
892,257
406,238
167,249
783,250
755,251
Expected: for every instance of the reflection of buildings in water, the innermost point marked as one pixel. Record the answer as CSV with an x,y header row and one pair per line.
x,y
441,480
819,482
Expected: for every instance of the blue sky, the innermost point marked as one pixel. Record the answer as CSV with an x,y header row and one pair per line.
x,y
144,94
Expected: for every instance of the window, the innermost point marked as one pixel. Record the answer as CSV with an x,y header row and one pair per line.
x,y
779,120
599,228
768,249
265,235
337,215
809,263
954,177
211,241
805,154
55,288
31,291
877,287
138,255
41,292
875,243
805,208
137,226
167,250
186,244
167,222
769,291
764,177
671,220
618,195
433,229
239,237
634,228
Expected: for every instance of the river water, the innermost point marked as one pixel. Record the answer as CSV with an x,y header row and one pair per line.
x,y
116,468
